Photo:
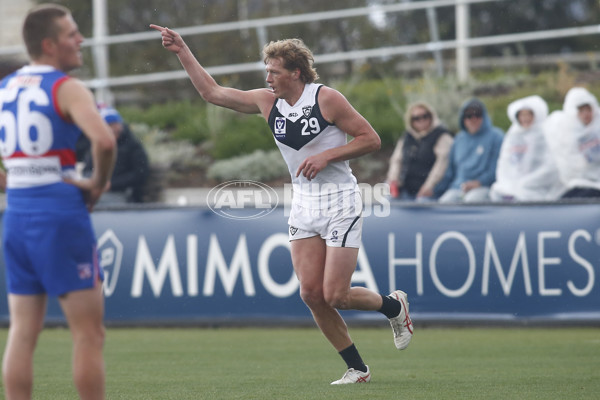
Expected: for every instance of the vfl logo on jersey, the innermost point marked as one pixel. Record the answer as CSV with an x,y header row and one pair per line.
x,y
280,127
307,110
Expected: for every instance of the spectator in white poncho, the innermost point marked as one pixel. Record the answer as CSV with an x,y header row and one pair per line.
x,y
526,170
573,135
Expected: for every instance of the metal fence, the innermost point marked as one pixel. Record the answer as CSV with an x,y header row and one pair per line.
x,y
103,81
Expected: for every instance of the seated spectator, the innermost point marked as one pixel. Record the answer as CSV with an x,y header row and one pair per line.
x,y
573,135
131,168
421,155
473,157
526,170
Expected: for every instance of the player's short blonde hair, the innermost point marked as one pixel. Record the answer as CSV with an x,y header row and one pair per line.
x,y
295,55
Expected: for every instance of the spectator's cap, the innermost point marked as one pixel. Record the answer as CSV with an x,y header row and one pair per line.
x,y
110,115
474,106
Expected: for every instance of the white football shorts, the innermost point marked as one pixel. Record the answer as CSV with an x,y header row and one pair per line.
x,y
337,219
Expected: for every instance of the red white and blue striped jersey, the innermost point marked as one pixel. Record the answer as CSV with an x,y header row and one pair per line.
x,y
37,142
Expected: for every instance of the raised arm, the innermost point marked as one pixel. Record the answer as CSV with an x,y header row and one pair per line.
x,y
249,102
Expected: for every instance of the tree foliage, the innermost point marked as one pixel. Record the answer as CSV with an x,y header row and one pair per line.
x,y
323,37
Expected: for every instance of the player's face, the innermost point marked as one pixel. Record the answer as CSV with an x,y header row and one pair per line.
x,y
68,44
279,79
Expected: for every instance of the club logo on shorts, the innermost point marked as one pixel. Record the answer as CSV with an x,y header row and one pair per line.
x,y
307,110
84,271
293,230
279,127
334,236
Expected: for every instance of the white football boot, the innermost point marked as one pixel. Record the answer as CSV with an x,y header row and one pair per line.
x,y
354,376
402,324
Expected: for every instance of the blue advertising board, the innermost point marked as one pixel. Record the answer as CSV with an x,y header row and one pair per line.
x,y
457,263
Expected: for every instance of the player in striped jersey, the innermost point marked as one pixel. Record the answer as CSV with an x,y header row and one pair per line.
x,y
49,244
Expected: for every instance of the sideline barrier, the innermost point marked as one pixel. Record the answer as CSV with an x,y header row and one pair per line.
x,y
481,263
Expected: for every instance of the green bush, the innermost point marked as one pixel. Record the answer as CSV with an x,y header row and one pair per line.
x,y
259,166
224,134
381,102
184,120
241,134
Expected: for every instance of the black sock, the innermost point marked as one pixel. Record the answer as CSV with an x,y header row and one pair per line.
x,y
352,358
390,307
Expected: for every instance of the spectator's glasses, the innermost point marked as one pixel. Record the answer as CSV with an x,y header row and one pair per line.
x,y
475,114
421,117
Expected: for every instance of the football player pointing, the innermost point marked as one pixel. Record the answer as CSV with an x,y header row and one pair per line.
x,y
309,123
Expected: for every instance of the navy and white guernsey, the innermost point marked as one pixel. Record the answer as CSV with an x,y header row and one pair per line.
x,y
300,131
37,143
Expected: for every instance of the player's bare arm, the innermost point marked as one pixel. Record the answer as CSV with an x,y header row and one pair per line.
x,y
248,102
77,103
337,110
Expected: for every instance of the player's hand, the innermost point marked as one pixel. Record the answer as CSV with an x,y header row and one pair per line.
x,y
171,40
311,167
89,188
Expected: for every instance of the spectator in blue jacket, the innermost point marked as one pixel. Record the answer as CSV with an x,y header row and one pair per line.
x,y
473,157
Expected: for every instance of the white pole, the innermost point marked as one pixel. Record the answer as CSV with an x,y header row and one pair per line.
x,y
462,34
100,52
435,38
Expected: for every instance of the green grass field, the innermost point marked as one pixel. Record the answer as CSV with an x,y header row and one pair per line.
x,y
297,363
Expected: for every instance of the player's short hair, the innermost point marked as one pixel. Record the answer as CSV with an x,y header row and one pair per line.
x,y
40,23
295,55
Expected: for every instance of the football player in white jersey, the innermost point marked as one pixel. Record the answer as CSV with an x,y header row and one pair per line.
x,y
309,124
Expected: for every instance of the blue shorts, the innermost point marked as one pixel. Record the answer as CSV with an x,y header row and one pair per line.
x,y
52,252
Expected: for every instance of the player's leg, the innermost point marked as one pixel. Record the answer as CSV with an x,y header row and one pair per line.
x,y
339,267
358,371
84,310
26,322
344,240
308,257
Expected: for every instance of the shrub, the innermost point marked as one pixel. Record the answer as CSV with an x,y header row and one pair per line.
x,y
259,166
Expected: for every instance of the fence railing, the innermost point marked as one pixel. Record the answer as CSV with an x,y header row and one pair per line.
x,y
103,81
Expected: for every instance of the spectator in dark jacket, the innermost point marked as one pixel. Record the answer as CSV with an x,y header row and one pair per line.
x,y
132,167
421,154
